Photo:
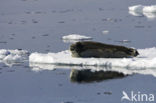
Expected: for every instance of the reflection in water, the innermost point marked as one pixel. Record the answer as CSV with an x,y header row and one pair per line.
x,y
126,71
40,67
136,13
87,75
11,63
150,15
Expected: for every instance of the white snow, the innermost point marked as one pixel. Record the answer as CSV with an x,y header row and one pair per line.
x,y
76,37
139,10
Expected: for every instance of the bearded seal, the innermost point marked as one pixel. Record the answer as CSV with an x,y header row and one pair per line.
x,y
88,49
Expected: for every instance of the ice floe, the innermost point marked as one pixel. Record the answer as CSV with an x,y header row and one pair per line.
x,y
146,59
141,10
75,38
145,63
13,56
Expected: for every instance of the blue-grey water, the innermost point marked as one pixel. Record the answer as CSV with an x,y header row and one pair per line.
x,y
38,25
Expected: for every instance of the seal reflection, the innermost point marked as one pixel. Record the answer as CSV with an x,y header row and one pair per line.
x,y
88,76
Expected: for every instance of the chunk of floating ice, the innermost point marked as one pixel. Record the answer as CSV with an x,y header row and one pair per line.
x,y
148,11
146,59
76,37
13,55
105,32
141,8
136,8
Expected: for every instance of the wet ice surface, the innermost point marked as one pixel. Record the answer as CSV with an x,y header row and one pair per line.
x,y
38,26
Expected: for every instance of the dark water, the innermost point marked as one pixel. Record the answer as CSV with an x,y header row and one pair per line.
x,y
37,26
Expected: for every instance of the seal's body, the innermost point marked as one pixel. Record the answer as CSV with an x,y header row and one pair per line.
x,y
100,50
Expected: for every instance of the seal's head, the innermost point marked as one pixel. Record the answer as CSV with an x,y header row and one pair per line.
x,y
76,49
132,52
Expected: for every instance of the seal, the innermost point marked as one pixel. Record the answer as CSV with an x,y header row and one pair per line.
x,y
88,49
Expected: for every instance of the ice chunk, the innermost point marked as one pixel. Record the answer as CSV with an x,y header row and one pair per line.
x,y
136,8
105,32
76,37
11,56
72,38
139,10
150,9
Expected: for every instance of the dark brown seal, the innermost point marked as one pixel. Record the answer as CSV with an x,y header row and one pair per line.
x,y
101,50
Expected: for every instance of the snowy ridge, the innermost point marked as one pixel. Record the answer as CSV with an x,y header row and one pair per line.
x,y
146,59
